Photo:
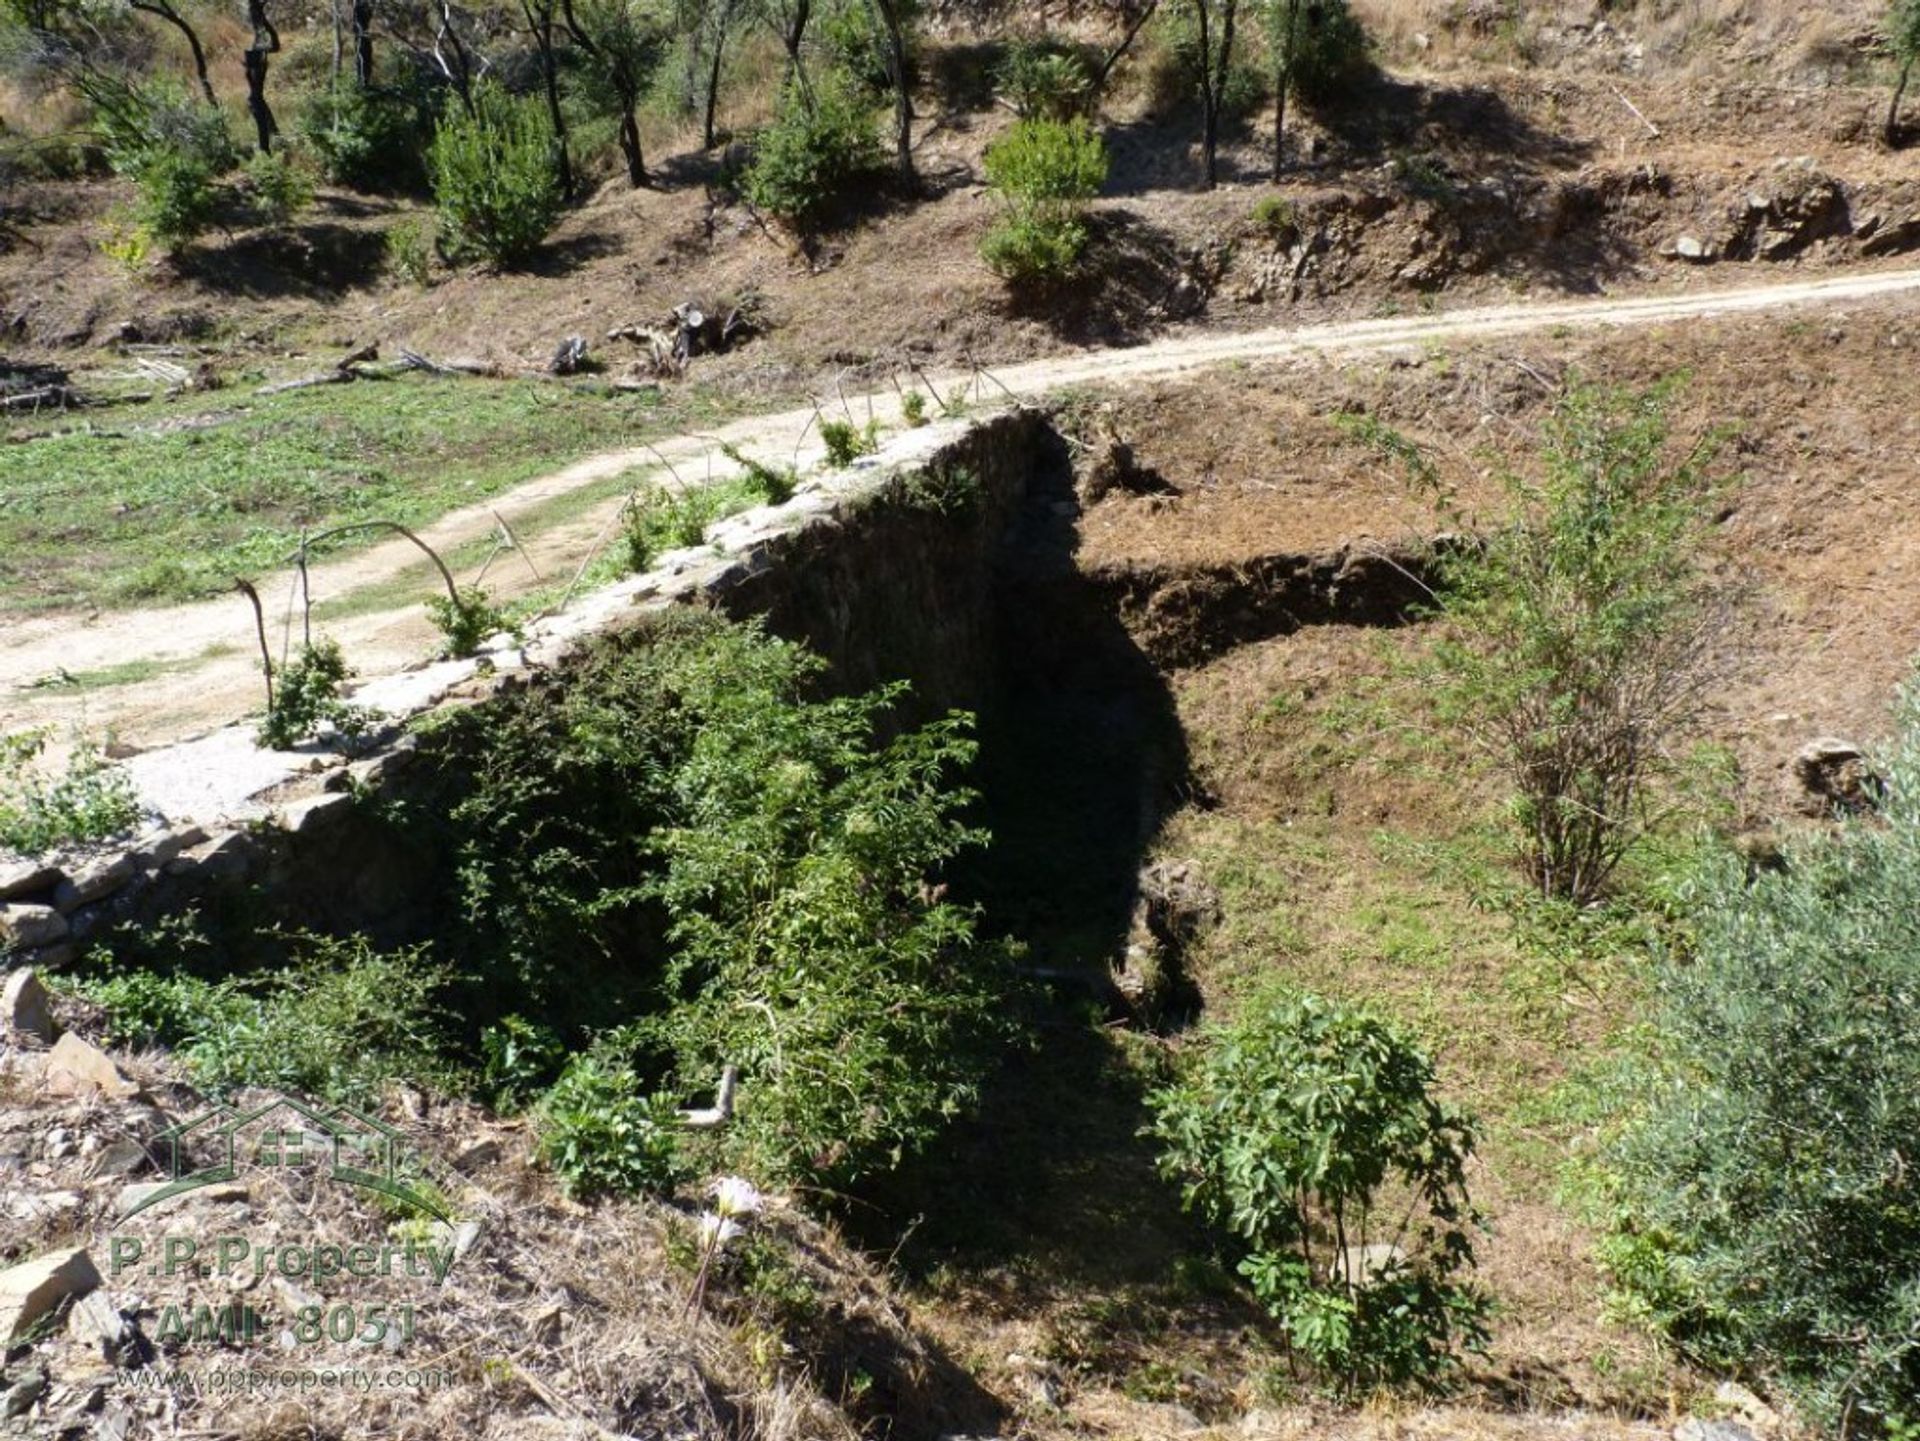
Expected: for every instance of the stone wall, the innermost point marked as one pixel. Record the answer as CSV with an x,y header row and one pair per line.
x,y
887,569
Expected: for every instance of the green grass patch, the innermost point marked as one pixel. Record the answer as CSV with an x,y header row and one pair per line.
x,y
140,517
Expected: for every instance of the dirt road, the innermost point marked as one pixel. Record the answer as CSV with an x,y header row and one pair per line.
x,y
197,667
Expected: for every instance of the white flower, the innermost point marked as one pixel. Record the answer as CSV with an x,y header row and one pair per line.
x,y
716,1231
733,1196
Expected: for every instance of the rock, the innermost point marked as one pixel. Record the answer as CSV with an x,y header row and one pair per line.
x,y
25,1006
95,1321
139,1196
570,356
26,878
21,1395
92,882
1365,1263
119,1158
162,846
1695,1429
32,1290
477,1157
1692,248
75,1068
226,857
316,813
23,925
1835,774
1743,1406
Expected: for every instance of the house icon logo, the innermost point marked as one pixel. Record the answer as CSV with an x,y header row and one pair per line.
x,y
356,1150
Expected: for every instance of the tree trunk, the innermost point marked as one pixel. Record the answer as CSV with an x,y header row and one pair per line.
x,y
539,15
630,143
709,135
1893,110
173,17
1282,84
891,19
266,42
363,42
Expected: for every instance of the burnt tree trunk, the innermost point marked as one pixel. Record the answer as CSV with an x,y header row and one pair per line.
x,y
266,42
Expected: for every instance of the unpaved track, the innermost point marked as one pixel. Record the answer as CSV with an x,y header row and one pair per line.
x,y
207,691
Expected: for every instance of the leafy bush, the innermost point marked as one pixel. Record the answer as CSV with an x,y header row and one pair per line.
x,y
466,619
340,1024
175,200
496,178
173,148
1765,1211
656,520
1045,172
602,1134
1044,81
683,853
1276,215
277,188
773,484
519,1059
1310,1134
857,43
369,139
847,442
309,694
913,409
808,161
795,875
91,800
1585,632
409,248
1332,52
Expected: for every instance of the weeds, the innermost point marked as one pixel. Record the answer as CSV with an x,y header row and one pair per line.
x,y
846,443
90,800
311,694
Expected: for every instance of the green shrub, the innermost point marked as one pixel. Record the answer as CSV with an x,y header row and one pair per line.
x,y
175,199
1332,53
1275,214
1310,1134
1045,172
602,1134
339,1024
308,694
808,161
409,247
913,409
847,442
465,619
277,188
369,139
856,42
686,854
770,483
91,800
496,179
518,1060
1764,1206
1585,633
1044,81
656,520
795,873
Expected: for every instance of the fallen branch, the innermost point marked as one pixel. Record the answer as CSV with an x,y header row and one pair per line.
x,y
722,1109
1652,129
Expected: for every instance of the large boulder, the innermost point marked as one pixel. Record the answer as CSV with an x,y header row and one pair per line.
x,y
33,1289
1836,776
